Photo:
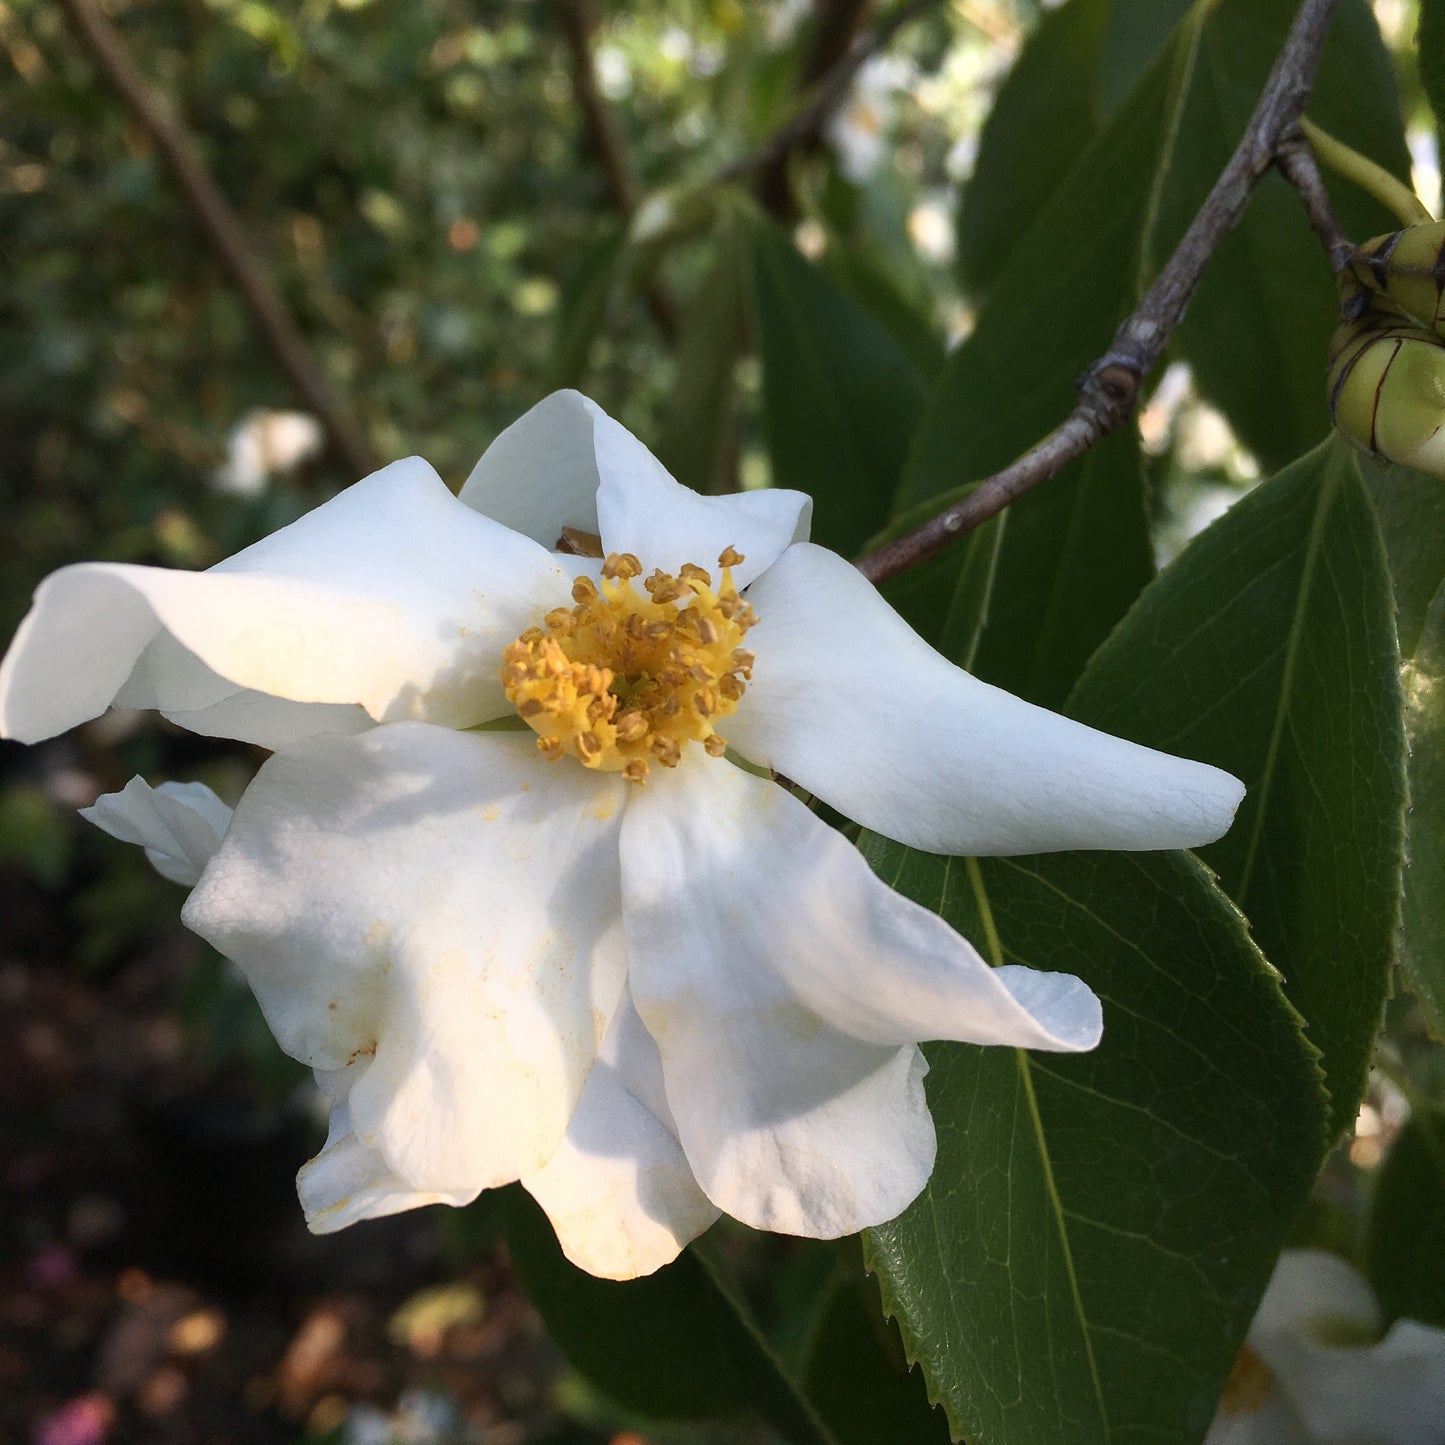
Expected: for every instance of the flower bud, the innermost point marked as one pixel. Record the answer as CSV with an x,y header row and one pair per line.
x,y
1404,271
1387,393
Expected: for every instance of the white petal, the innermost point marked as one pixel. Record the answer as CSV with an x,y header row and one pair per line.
x,y
1348,1393
190,695
788,1122
1392,1393
642,510
392,596
754,866
1312,1289
445,904
567,463
1268,1421
180,825
618,1190
347,1182
849,701
540,475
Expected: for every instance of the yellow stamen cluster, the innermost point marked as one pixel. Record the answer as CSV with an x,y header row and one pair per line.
x,y
624,678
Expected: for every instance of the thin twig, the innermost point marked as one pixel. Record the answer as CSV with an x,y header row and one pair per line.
x,y
829,94
579,26
221,224
1297,164
1110,387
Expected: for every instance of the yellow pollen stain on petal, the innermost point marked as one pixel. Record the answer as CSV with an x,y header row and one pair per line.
x,y
1248,1386
626,678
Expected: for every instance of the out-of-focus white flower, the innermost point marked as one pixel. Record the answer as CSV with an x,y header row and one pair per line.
x,y
1314,1370
930,228
266,444
503,886
859,130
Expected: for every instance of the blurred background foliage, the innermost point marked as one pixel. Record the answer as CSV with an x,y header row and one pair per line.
x,y
421,182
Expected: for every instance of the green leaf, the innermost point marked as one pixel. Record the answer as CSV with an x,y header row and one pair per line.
x,y
1268,649
584,306
677,1343
1135,36
1411,508
1430,42
908,316
1087,1256
841,400
1256,336
1406,1248
859,1377
1257,328
1052,310
698,441
1047,111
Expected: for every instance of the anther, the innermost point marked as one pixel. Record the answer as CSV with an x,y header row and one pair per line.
x,y
730,557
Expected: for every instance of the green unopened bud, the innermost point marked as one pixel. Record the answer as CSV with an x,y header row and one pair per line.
x,y
1407,270
1387,396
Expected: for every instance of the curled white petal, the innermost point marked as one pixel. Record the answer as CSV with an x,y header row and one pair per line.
x,y
540,475
788,1122
347,1181
393,597
444,906
619,1191
180,825
600,478
849,701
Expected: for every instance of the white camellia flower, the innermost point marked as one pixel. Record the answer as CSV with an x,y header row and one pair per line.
x,y
505,887
1315,1371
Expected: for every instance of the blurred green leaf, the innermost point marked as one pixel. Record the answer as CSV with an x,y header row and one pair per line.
x,y
1406,1244
1052,309
698,441
35,835
1086,1258
867,278
1411,508
841,400
583,309
858,1376
1046,113
673,1344
1268,649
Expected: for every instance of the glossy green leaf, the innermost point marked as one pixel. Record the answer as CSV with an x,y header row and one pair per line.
x,y
1268,649
1087,1256
1053,308
1430,41
698,440
1406,1247
1411,508
841,400
676,1344
1257,328
1047,111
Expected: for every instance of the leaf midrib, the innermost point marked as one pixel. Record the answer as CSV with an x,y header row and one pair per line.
x,y
994,947
1313,547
